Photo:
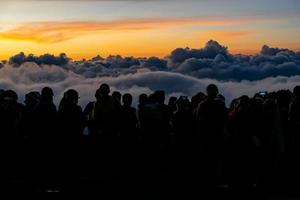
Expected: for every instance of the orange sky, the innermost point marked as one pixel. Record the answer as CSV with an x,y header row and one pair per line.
x,y
138,37
83,29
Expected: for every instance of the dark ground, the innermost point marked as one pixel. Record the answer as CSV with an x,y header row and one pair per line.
x,y
159,187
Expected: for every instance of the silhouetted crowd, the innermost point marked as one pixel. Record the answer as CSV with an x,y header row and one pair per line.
x,y
253,143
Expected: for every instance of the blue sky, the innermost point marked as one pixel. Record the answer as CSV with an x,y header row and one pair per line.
x,y
21,10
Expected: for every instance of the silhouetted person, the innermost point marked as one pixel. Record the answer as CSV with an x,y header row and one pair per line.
x,y
294,116
128,121
91,142
89,114
12,112
46,119
211,118
45,135
172,103
183,127
28,123
107,114
242,149
272,146
294,121
196,99
71,124
10,115
117,96
143,101
148,121
163,117
183,122
26,145
128,137
70,121
283,99
1,94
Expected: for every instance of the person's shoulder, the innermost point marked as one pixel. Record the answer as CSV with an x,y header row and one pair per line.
x,y
111,99
20,106
297,100
295,103
133,109
220,104
39,106
202,104
91,103
78,108
53,106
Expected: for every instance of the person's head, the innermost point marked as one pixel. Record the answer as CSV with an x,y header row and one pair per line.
x,y
183,103
159,96
172,101
72,96
296,91
143,99
32,98
221,98
284,98
152,99
98,94
1,94
269,106
196,99
234,104
244,101
117,96
47,94
104,89
127,99
212,91
10,95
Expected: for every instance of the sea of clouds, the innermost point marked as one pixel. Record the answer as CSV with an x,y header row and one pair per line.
x,y
184,72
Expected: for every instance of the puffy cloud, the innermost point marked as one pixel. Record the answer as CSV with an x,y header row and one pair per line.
x,y
266,50
211,50
184,72
213,61
155,63
31,77
47,59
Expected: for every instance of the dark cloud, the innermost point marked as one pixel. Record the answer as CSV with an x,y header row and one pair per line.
x,y
155,63
210,51
213,61
30,77
184,72
266,50
47,59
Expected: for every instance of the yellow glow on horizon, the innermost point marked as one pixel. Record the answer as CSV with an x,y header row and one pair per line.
x,y
138,38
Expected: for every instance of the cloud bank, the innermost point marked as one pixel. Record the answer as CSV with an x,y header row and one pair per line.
x,y
184,72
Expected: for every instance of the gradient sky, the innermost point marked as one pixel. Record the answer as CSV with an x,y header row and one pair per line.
x,y
85,28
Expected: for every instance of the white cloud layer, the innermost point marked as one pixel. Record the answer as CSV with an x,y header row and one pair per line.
x,y
184,72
